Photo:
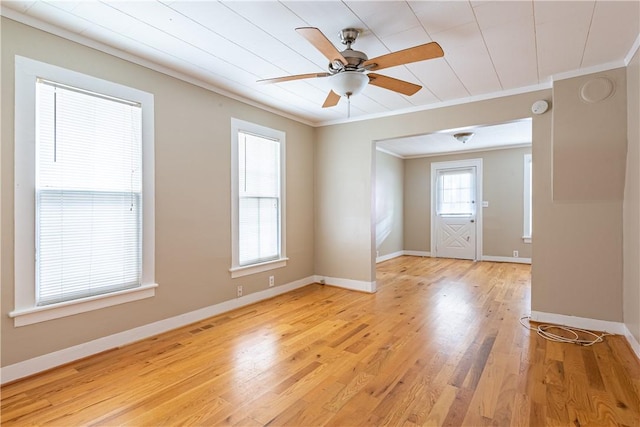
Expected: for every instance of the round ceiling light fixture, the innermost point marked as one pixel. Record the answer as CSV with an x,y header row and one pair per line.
x,y
348,83
463,136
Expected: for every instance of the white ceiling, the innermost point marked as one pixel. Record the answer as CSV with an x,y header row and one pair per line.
x,y
491,47
512,134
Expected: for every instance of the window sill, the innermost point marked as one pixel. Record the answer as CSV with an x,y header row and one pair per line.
x,y
526,239
257,268
29,316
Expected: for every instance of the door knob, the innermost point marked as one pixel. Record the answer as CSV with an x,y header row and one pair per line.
x,y
473,220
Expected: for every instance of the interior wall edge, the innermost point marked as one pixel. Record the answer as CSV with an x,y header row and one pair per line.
x,y
633,343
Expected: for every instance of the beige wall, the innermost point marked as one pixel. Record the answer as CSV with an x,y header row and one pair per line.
x,y
577,253
589,139
631,212
389,185
344,200
503,184
193,246
417,205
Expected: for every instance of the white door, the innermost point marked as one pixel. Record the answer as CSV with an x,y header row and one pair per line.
x,y
456,212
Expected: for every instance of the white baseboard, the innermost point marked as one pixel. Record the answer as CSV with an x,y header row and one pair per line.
x,y
617,328
633,343
61,357
389,256
506,259
354,285
417,253
400,253
428,254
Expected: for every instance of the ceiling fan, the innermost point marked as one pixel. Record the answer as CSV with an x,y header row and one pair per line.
x,y
349,70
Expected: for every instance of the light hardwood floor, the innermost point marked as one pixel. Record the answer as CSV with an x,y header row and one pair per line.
x,y
440,343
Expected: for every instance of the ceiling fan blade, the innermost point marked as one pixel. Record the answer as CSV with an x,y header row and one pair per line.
x,y
332,100
406,56
322,43
295,77
400,86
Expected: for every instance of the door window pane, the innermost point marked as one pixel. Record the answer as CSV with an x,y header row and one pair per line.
x,y
456,192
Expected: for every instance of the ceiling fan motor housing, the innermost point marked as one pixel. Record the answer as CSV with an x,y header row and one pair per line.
x,y
354,57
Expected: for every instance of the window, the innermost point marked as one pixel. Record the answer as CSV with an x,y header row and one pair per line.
x,y
257,198
84,193
456,192
528,199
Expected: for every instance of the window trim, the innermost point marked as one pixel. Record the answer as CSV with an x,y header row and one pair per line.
x,y
236,269
528,199
25,310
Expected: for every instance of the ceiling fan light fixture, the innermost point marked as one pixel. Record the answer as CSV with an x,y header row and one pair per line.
x,y
463,136
348,83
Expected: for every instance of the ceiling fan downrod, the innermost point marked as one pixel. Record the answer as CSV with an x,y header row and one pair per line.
x,y
349,36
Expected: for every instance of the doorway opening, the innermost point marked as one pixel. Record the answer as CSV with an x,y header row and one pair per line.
x,y
490,221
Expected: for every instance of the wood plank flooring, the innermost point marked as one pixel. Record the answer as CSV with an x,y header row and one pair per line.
x,y
440,343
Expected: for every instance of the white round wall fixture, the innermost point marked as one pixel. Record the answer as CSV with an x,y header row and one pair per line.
x,y
596,90
539,107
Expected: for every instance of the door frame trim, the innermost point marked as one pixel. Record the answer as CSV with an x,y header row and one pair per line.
x,y
435,166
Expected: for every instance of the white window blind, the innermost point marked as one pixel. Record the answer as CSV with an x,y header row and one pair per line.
x,y
456,192
88,193
259,199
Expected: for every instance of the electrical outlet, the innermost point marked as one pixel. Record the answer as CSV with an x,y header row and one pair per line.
x,y
271,281
515,254
239,290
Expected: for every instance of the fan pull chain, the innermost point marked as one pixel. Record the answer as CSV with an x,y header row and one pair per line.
x,y
55,125
348,105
